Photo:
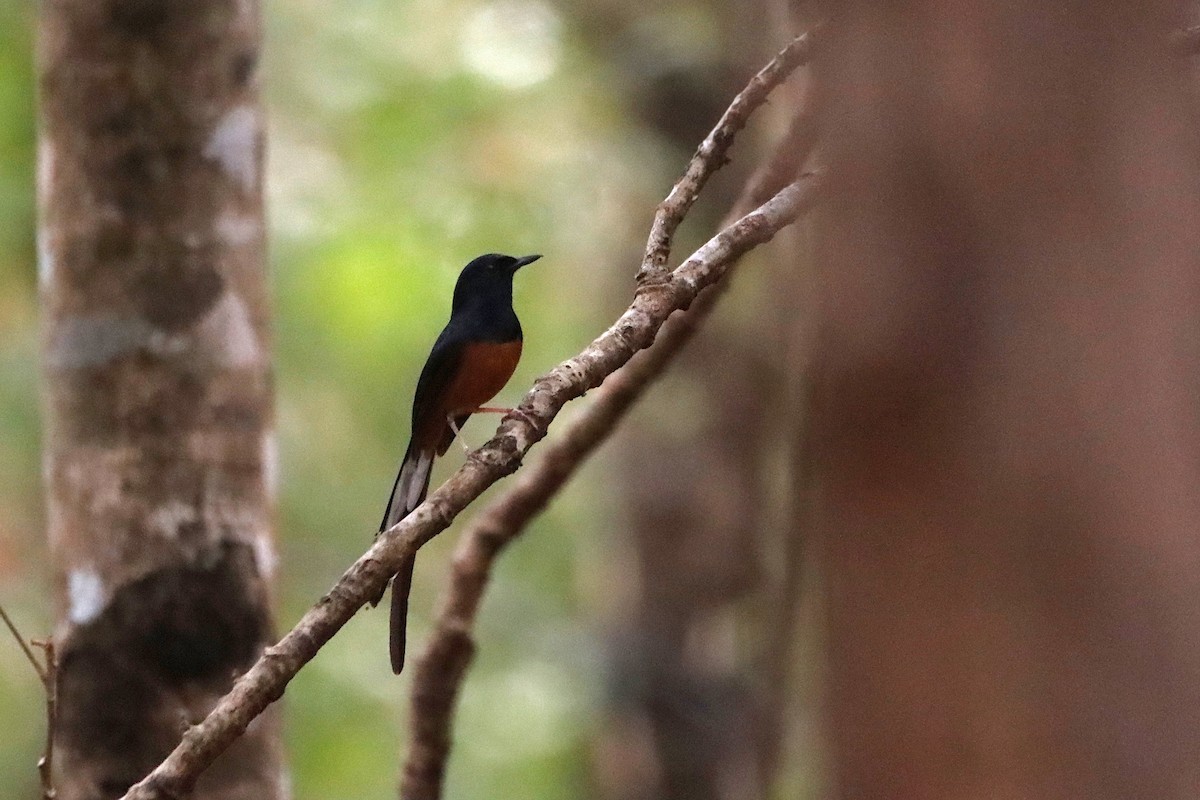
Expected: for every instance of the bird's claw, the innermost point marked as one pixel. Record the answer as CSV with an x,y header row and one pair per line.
x,y
458,434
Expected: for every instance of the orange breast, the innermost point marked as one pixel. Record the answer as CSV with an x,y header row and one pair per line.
x,y
484,370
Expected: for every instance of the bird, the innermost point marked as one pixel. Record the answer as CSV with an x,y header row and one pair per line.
x,y
471,361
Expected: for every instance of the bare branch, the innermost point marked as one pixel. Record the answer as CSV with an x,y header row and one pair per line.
x,y
47,673
266,680
45,764
711,155
635,330
41,673
785,162
441,669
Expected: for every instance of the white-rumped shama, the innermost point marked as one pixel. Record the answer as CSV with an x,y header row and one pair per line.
x,y
470,362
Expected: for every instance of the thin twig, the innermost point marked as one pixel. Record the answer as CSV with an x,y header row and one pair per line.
x,y
634,330
440,670
41,673
45,764
785,162
711,155
48,675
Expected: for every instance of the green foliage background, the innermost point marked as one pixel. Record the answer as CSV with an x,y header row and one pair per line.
x,y
405,138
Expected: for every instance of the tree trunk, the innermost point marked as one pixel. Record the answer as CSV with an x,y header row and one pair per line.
x,y
158,449
1007,418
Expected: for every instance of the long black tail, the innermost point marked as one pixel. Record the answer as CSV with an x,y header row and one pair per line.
x,y
398,621
412,484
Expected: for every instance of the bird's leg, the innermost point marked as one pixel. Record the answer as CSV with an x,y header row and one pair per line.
x,y
458,434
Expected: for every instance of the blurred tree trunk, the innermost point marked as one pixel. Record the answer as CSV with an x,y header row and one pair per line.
x,y
702,645
158,448
1008,424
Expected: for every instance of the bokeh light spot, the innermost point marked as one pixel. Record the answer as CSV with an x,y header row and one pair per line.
x,y
515,43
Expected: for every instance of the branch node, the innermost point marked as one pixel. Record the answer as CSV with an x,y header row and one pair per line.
x,y
654,271
656,292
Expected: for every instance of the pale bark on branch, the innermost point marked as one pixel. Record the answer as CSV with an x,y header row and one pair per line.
x,y
441,668
656,299
711,155
634,330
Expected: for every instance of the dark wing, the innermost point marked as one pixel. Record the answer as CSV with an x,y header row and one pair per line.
x,y
428,424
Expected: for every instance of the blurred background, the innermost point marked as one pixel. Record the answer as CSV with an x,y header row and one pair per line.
x,y
405,138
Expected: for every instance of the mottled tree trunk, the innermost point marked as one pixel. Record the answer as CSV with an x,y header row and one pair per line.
x,y
158,449
1010,259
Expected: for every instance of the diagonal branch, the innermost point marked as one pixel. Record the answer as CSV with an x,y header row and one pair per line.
x,y
711,155
441,669
635,330
787,160
42,674
47,672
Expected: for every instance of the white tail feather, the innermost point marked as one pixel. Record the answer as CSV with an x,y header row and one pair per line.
x,y
411,485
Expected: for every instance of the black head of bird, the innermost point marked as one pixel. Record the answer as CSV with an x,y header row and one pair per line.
x,y
488,279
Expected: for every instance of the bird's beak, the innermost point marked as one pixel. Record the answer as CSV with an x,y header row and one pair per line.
x,y
522,261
